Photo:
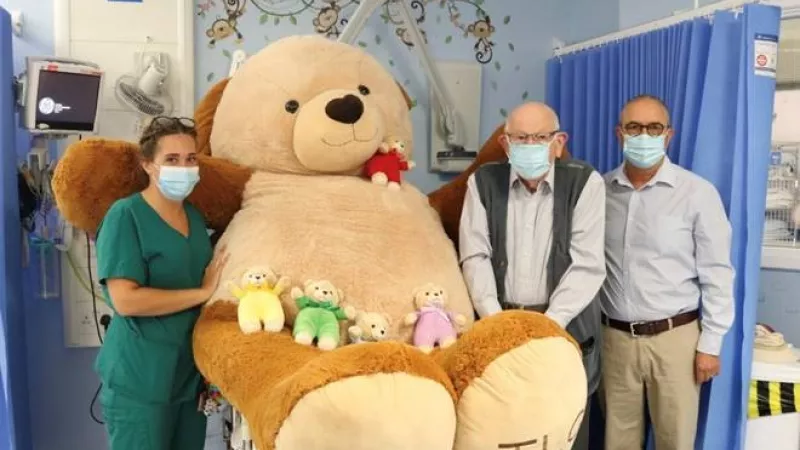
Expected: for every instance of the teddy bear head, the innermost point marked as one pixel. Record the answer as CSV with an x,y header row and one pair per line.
x,y
430,295
393,144
375,326
258,278
308,105
323,291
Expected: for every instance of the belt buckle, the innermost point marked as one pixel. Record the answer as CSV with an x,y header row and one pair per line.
x,y
632,327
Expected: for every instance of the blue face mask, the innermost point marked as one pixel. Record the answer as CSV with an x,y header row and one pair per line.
x,y
643,151
176,183
530,161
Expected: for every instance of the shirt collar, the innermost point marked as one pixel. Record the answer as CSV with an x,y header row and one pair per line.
x,y
666,175
547,182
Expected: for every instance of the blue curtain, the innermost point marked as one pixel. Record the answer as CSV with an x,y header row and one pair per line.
x,y
721,109
13,383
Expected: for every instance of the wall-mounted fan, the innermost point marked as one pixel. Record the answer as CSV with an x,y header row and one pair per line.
x,y
146,94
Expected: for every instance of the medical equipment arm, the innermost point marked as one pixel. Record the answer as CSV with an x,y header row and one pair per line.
x,y
448,114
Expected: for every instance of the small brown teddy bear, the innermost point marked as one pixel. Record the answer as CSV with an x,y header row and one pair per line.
x,y
389,161
319,314
369,327
434,323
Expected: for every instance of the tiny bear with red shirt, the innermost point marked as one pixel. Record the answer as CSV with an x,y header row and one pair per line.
x,y
387,164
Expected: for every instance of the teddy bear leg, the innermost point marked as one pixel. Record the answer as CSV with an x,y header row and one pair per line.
x,y
447,341
380,178
384,396
394,186
520,379
328,335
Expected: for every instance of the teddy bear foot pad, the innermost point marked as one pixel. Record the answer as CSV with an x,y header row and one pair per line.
x,y
380,395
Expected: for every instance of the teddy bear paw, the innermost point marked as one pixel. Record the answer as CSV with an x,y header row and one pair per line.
x,y
250,326
366,397
394,186
327,343
518,362
304,338
274,325
380,178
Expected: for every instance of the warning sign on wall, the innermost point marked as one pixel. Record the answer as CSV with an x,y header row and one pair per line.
x,y
766,55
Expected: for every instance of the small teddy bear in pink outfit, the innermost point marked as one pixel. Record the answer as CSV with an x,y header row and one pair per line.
x,y
434,324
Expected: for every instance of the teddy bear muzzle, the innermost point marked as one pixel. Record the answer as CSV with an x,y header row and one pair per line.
x,y
337,131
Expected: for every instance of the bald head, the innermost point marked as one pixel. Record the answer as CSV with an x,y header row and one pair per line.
x,y
532,117
645,109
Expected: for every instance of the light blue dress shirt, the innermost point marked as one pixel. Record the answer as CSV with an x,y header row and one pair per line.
x,y
668,250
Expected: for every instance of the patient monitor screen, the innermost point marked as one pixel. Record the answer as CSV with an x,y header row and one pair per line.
x,y
67,101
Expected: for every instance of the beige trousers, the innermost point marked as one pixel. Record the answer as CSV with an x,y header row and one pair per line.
x,y
661,368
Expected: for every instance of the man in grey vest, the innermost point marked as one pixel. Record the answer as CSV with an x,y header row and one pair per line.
x,y
532,233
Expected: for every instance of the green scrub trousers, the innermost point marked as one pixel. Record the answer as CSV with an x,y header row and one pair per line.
x,y
151,385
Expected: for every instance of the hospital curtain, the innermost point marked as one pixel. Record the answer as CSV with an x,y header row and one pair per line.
x,y
13,384
721,104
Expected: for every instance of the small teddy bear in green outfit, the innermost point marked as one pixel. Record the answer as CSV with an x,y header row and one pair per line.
x,y
319,314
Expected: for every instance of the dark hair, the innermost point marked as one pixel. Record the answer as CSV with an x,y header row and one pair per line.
x,y
641,97
160,127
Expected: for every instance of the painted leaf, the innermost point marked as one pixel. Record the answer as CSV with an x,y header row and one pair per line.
x,y
413,103
263,19
525,95
506,19
516,68
385,18
277,20
226,53
391,62
362,44
494,85
503,112
406,82
448,39
210,76
438,19
293,20
478,2
378,39
511,46
497,65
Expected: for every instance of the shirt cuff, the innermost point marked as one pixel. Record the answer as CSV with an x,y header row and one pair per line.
x,y
488,307
710,343
556,318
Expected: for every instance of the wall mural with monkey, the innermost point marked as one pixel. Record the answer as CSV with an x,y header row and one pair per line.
x,y
510,39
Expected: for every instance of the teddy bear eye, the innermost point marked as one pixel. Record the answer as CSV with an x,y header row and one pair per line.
x,y
292,106
373,325
363,89
427,293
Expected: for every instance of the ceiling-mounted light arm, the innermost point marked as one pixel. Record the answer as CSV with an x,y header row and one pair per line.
x,y
448,114
357,21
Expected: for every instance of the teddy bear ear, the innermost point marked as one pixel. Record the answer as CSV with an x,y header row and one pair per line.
x,y
387,318
409,102
308,283
341,294
204,116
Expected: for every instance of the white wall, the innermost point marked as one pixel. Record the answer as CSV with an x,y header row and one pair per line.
x,y
112,34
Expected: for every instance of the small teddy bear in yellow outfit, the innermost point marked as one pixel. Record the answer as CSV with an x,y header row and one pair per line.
x,y
259,300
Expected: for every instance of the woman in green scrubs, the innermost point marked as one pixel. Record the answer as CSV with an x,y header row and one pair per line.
x,y
155,264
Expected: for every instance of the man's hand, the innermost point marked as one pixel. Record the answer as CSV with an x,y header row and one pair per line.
x,y
705,367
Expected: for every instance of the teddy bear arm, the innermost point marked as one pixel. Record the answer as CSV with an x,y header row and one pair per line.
x,y
93,174
236,291
281,285
218,195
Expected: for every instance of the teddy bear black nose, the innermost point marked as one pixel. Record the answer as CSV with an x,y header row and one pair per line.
x,y
347,109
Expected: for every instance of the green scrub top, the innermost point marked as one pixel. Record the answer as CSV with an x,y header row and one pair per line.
x,y
151,358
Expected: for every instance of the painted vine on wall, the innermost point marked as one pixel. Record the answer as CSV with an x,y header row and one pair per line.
x,y
329,17
467,21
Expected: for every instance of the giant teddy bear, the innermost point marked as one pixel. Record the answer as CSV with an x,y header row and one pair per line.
x,y
283,143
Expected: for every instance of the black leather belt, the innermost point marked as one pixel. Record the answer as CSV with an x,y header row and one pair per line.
x,y
541,308
651,328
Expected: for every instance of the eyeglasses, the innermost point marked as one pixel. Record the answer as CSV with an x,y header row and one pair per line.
x,y
636,128
534,138
169,122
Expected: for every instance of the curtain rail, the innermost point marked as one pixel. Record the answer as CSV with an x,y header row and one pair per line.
x,y
655,25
